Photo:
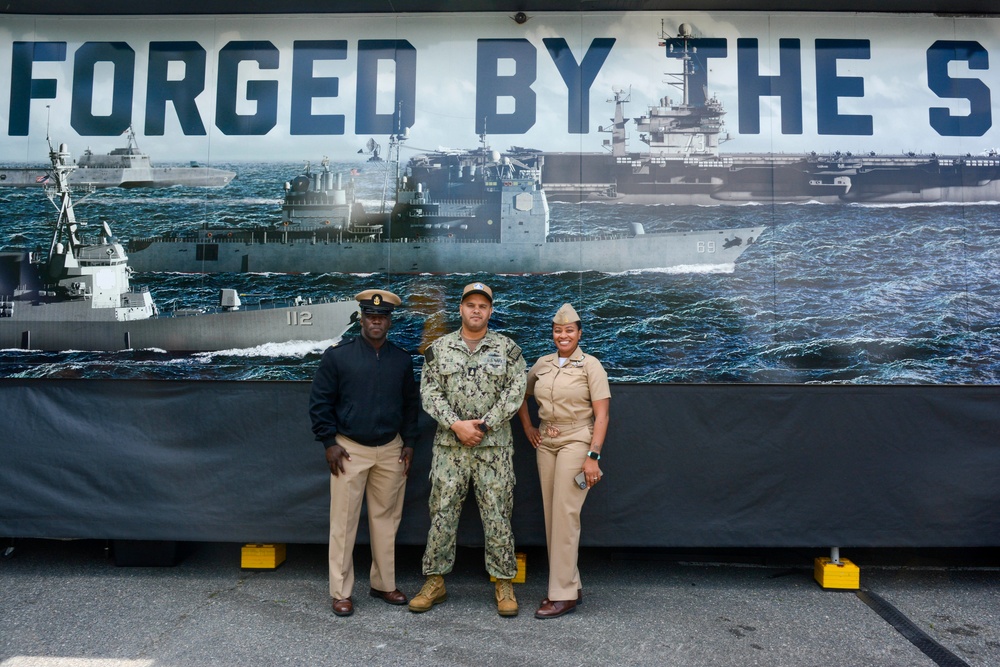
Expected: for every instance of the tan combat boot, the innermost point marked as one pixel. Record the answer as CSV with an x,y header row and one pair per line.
x,y
506,602
432,593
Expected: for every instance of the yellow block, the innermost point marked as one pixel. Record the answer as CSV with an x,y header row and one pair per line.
x,y
836,575
262,556
522,569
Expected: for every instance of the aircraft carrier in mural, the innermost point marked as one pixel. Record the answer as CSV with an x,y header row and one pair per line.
x,y
79,296
455,211
683,163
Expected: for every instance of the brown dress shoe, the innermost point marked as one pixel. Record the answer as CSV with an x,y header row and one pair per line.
x,y
579,598
392,597
555,608
343,607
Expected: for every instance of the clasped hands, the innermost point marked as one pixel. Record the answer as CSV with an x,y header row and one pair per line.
x,y
468,432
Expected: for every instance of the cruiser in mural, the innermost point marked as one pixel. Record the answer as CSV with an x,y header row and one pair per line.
x,y
126,167
78,297
455,211
683,164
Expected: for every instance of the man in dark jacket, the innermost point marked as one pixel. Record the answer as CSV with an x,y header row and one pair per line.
x,y
364,406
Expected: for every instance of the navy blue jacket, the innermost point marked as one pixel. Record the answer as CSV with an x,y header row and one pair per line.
x,y
367,395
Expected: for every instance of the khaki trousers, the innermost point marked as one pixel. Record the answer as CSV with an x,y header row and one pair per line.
x,y
374,473
560,459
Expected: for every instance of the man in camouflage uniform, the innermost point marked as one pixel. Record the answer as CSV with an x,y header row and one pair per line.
x,y
472,385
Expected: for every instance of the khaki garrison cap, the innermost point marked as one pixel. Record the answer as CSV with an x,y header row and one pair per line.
x,y
477,288
565,315
377,301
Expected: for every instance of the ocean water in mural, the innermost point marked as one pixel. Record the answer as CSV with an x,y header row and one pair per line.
x,y
830,293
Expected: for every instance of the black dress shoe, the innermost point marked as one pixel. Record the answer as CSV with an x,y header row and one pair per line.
x,y
392,597
555,608
343,607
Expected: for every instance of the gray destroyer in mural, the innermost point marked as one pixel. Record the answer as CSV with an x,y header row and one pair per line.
x,y
461,211
78,297
683,164
126,167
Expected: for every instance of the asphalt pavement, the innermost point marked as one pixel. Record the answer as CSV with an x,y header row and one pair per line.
x,y
67,604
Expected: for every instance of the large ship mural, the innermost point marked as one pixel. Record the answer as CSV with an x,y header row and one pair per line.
x,y
126,167
78,296
842,292
455,211
683,163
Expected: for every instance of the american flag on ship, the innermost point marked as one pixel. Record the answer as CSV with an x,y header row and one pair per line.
x,y
43,179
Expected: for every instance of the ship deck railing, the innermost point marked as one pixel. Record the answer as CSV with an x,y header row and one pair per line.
x,y
264,303
431,201
573,187
829,160
420,239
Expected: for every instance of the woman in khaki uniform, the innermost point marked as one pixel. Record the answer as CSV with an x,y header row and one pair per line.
x,y
573,396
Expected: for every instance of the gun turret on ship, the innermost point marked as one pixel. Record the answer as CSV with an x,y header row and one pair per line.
x,y
126,167
79,296
455,211
683,163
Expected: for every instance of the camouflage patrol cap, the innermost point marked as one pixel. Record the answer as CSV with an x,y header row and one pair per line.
x,y
566,315
477,288
377,301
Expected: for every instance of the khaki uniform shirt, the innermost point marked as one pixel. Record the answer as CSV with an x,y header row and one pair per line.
x,y
565,394
485,384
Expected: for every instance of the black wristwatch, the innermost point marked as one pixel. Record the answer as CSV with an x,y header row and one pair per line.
x,y
594,455
483,427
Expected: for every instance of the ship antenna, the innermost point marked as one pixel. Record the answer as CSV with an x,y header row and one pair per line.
x,y
688,63
388,167
66,222
48,121
131,138
484,142
395,139
684,51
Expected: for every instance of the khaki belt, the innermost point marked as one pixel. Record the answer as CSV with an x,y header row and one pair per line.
x,y
553,429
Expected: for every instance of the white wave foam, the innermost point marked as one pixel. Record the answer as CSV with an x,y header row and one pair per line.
x,y
295,349
682,268
921,204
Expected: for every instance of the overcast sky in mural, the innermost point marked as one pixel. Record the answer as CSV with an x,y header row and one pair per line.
x,y
896,92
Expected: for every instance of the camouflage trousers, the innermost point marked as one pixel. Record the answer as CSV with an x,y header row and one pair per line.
x,y
491,471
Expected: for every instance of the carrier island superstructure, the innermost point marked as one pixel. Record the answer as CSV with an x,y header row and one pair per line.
x,y
683,164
